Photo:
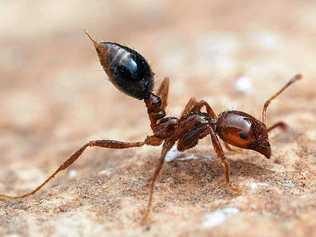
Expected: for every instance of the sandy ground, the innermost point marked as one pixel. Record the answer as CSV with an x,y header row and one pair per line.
x,y
54,97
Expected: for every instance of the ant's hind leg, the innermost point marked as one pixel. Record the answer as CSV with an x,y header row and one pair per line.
x,y
163,92
195,106
166,147
282,125
219,151
96,143
209,110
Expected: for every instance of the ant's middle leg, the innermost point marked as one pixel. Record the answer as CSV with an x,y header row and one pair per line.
x,y
219,151
282,125
152,140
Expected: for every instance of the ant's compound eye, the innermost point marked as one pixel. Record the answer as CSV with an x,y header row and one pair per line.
x,y
126,69
238,137
243,135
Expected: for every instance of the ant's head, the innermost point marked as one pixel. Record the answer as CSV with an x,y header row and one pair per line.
x,y
127,70
242,130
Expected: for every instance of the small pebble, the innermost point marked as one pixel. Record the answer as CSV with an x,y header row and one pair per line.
x,y
243,85
218,217
72,174
172,154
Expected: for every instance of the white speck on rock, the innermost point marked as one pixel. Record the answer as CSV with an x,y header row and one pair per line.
x,y
190,157
243,85
289,184
172,154
266,40
254,186
106,172
209,157
194,157
76,224
218,217
72,174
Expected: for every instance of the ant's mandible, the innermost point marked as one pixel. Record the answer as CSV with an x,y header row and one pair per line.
x,y
130,73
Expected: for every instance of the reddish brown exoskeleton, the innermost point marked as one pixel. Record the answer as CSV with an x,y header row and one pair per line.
x,y
131,74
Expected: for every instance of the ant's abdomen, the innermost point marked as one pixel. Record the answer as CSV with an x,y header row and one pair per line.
x,y
127,70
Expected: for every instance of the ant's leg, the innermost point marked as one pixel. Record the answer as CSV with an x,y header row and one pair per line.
x,y
163,92
96,143
228,147
219,151
166,147
209,109
232,149
282,125
188,107
195,106
266,104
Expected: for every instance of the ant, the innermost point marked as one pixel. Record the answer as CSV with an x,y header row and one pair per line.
x,y
131,74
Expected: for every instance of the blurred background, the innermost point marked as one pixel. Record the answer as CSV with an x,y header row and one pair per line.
x,y
54,94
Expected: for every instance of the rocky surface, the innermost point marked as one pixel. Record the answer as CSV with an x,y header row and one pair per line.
x,y
234,54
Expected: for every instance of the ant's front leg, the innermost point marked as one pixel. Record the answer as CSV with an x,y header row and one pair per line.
x,y
113,144
229,148
166,147
219,151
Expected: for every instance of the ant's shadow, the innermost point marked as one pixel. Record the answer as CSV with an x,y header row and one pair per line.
x,y
212,169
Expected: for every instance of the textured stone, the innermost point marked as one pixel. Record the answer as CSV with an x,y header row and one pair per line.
x,y
54,97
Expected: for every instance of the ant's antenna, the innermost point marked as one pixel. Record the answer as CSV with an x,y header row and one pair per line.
x,y
267,103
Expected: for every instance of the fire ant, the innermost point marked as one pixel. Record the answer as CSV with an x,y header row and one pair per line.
x,y
131,74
